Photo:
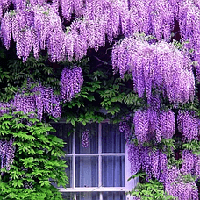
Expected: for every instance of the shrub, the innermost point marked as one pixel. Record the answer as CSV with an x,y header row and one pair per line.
x,y
37,157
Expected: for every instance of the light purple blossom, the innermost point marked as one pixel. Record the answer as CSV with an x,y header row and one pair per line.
x,y
85,138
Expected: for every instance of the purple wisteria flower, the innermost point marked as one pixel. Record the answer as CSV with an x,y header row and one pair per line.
x,y
85,138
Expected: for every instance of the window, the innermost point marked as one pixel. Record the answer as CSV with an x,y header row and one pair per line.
x,y
99,171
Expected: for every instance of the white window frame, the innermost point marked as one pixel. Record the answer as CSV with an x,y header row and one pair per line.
x,y
128,185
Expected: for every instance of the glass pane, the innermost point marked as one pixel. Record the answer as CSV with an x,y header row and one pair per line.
x,y
68,196
93,139
65,132
112,140
113,174
80,195
86,171
114,196
68,172
87,196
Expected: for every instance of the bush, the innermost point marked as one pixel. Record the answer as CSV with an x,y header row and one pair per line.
x,y
37,157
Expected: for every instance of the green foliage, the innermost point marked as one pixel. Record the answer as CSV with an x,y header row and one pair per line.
x,y
149,190
37,158
102,96
194,146
14,76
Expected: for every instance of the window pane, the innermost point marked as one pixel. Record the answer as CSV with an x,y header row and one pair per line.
x,y
93,139
68,196
62,131
81,196
112,140
113,171
114,196
87,196
68,172
86,171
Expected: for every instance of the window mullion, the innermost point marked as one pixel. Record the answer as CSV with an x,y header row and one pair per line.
x,y
99,154
73,161
100,159
101,196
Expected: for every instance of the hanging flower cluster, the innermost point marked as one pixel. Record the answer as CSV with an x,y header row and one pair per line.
x,y
6,153
36,24
134,158
157,66
85,138
34,27
150,124
42,99
190,164
154,163
47,102
188,125
189,19
71,82
124,127
176,186
4,108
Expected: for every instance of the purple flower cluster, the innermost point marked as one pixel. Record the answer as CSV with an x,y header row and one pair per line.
x,y
6,27
189,18
167,124
153,124
7,151
151,67
188,125
134,158
71,83
189,162
124,127
197,166
34,27
41,98
4,108
24,103
85,138
46,102
154,163
37,24
176,186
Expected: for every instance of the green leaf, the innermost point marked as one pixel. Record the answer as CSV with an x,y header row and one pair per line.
x,y
91,98
17,183
137,175
73,122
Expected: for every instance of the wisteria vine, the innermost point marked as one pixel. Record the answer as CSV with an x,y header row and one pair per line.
x,y
85,138
7,151
36,25
71,82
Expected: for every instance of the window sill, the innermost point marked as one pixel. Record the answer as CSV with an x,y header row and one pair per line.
x,y
93,189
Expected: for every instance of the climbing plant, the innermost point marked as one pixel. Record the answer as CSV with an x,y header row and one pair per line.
x,y
36,158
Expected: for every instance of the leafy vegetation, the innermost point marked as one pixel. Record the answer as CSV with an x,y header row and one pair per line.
x,y
37,158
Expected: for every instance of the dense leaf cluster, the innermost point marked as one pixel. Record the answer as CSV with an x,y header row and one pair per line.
x,y
37,158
